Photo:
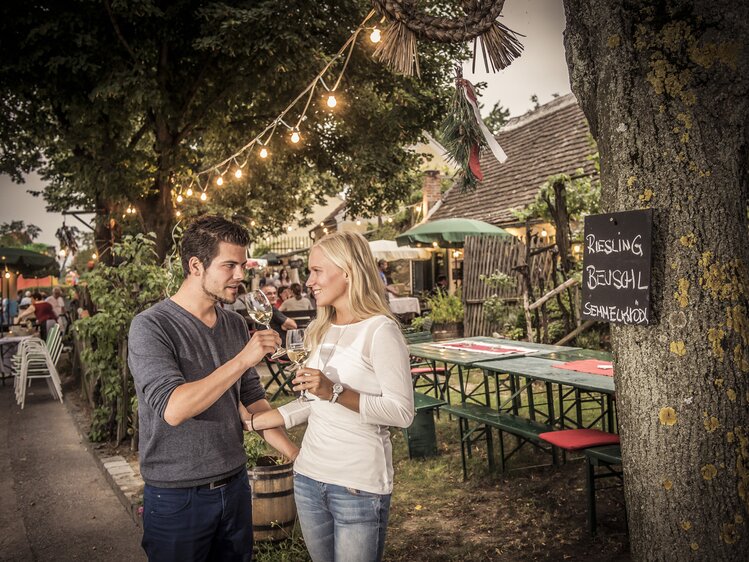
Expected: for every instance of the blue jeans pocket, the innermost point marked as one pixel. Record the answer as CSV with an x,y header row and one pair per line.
x,y
168,502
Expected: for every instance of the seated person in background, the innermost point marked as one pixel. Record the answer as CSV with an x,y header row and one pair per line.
x,y
58,305
441,286
382,266
297,301
283,279
25,300
285,294
280,322
45,315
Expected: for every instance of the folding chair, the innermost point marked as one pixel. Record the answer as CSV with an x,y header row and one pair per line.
x,y
36,359
281,374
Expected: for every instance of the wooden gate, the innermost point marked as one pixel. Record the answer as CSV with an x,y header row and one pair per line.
x,y
484,255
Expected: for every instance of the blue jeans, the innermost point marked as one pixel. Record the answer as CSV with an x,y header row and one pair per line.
x,y
195,525
341,524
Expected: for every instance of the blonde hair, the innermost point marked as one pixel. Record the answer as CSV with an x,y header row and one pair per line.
x,y
350,252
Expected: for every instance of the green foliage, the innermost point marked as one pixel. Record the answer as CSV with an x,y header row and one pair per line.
x,y
117,103
497,118
254,448
495,308
418,323
17,234
119,293
582,193
460,134
445,308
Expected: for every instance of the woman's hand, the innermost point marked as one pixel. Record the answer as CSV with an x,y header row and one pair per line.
x,y
313,381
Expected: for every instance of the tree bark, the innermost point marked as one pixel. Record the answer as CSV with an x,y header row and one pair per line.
x,y
664,86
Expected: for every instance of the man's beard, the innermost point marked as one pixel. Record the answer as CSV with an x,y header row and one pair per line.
x,y
215,296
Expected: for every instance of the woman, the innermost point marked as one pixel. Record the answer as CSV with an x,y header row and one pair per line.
x,y
283,279
297,301
45,315
359,374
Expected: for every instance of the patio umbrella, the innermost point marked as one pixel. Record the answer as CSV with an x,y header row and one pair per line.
x,y
271,258
390,251
28,263
448,233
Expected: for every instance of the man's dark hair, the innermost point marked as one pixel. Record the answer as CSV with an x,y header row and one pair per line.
x,y
201,239
37,296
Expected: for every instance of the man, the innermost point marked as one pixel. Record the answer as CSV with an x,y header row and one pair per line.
x,y
42,311
280,322
58,305
382,265
193,362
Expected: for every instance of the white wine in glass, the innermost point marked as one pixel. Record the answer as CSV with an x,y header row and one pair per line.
x,y
260,310
298,351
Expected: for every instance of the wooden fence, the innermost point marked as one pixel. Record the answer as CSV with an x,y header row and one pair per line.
x,y
484,255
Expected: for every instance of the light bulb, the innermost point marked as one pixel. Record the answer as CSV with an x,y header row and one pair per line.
x,y
435,244
188,192
358,222
375,36
576,248
456,254
390,219
238,173
179,199
219,181
61,253
94,255
252,223
325,230
295,136
263,152
289,229
7,274
544,234
203,196
332,102
179,213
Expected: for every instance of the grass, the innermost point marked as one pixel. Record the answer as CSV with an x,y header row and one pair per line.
x,y
525,514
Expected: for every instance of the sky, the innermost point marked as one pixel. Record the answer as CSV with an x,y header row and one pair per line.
x,y
540,70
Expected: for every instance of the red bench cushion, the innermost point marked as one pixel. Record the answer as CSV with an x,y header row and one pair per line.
x,y
420,370
575,439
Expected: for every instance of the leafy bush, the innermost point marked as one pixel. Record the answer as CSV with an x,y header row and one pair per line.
x,y
119,293
446,309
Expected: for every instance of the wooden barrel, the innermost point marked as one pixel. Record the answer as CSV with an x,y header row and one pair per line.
x,y
273,507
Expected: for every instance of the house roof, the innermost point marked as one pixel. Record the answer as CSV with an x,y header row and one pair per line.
x,y
553,139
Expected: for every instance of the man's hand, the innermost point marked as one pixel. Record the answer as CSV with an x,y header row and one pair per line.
x,y
261,343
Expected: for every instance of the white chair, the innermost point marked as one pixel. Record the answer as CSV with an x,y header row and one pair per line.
x,y
36,359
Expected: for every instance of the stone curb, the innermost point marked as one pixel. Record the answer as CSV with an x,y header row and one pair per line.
x,y
125,483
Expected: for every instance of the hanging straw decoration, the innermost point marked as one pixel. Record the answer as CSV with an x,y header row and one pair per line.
x,y
398,48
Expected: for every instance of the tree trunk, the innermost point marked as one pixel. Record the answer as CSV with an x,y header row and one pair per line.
x,y
665,86
157,213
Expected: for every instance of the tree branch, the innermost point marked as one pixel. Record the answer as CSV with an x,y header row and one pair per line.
x,y
118,31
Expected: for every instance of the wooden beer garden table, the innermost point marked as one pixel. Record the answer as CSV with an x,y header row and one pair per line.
x,y
580,386
458,354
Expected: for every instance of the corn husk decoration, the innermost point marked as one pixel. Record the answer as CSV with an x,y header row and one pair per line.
x,y
465,135
399,45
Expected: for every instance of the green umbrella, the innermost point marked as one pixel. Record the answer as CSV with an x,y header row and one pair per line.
x,y
28,263
448,233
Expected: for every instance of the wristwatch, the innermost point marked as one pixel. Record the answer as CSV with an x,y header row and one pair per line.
x,y
337,391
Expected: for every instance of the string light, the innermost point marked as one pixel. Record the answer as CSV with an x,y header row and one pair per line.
x,y
95,255
263,152
295,136
325,230
358,222
220,181
188,192
203,196
289,228
7,274
576,248
435,244
375,36
332,102
178,213
252,223
238,173
179,198
62,252
544,234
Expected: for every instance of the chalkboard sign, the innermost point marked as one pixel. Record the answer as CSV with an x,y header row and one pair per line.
x,y
616,267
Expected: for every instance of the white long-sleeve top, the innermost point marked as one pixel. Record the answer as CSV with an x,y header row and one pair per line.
x,y
347,448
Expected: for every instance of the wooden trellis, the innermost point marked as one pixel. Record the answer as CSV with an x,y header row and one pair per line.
x,y
484,255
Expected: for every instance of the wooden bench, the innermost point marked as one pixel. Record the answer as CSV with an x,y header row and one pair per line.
x,y
421,436
527,431
606,457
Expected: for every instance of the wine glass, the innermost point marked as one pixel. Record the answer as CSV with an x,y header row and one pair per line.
x,y
261,311
298,351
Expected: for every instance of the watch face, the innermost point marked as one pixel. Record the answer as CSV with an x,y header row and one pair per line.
x,y
337,388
